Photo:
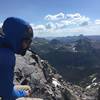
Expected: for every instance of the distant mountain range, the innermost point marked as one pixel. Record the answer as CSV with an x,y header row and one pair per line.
x,y
75,57
74,38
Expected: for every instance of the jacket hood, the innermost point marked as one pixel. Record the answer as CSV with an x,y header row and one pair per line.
x,y
15,30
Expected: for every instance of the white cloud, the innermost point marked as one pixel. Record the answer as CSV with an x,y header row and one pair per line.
x,y
62,20
38,30
76,15
67,18
97,22
67,24
50,25
86,30
76,18
1,24
55,17
38,27
60,25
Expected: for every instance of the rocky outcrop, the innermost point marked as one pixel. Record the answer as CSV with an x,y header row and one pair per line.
x,y
45,81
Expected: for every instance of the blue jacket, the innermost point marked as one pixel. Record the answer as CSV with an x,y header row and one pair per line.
x,y
14,30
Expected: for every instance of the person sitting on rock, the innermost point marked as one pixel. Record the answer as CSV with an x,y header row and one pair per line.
x,y
16,38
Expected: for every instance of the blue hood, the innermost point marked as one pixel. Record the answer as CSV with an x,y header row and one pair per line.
x,y
15,30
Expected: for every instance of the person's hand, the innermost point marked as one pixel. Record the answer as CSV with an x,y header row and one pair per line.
x,y
22,90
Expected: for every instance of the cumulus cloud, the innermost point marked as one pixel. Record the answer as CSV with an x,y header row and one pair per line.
x,y
67,24
38,30
60,25
54,17
50,25
66,20
38,27
69,18
76,18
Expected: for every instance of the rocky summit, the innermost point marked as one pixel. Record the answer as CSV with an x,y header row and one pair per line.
x,y
46,83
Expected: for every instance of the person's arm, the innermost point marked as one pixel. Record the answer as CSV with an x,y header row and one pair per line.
x,y
7,63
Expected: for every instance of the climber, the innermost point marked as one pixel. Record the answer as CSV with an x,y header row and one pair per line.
x,y
16,38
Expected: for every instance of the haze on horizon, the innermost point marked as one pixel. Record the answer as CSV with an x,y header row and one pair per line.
x,y
52,18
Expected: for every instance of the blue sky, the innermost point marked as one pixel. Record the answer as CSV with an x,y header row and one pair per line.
x,y
55,17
